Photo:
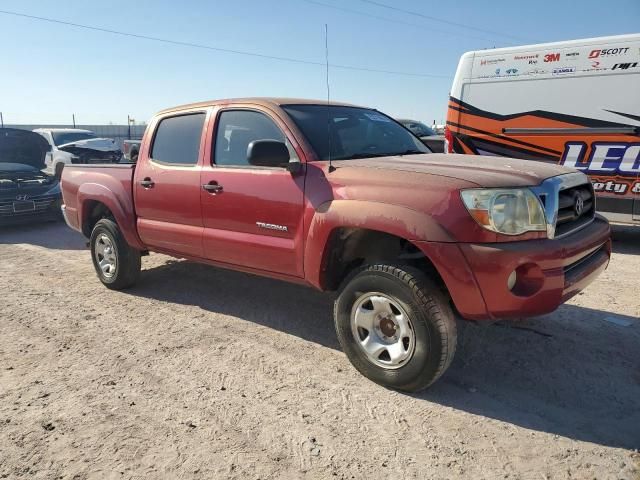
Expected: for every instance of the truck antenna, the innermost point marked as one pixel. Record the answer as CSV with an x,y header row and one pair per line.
x,y
326,58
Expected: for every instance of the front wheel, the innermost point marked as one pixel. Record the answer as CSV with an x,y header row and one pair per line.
x,y
116,263
395,326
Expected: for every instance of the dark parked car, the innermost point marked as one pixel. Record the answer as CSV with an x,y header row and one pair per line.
x,y
26,193
426,135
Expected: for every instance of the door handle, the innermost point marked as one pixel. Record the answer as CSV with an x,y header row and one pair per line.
x,y
147,183
212,187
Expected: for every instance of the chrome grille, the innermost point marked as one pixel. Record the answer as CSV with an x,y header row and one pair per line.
x,y
560,196
41,204
570,216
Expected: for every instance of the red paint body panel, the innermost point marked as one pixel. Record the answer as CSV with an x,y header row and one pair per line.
x,y
169,214
110,185
416,198
251,195
493,263
458,277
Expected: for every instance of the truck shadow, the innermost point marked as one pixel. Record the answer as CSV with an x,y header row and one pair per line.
x,y
626,239
54,235
570,373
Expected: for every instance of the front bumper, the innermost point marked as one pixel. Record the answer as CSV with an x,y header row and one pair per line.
x,y
549,272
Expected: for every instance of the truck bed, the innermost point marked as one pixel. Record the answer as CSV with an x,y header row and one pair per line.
x,y
100,183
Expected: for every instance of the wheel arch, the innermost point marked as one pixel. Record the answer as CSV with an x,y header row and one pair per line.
x,y
96,201
344,235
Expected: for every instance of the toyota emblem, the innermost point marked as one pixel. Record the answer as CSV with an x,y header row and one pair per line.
x,y
22,197
579,205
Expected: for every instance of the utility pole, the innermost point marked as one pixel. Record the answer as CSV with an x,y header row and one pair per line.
x,y
74,119
128,127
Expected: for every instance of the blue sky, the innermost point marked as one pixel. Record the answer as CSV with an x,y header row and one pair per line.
x,y
49,71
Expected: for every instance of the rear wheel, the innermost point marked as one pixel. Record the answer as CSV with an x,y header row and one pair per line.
x,y
395,326
116,263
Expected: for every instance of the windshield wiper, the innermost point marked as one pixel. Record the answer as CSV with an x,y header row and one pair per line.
x,y
356,156
376,155
409,152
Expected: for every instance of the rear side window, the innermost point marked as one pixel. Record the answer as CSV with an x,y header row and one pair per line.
x,y
177,139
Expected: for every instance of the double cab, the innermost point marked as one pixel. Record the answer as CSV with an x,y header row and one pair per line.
x,y
344,198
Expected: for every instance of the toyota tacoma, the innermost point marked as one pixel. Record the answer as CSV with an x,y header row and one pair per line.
x,y
343,198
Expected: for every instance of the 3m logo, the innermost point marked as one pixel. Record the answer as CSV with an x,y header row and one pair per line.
x,y
624,66
551,57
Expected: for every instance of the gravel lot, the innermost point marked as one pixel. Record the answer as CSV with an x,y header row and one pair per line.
x,y
203,373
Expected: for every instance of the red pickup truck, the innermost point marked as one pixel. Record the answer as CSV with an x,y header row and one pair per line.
x,y
344,198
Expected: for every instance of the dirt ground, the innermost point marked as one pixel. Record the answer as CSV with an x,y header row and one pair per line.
x,y
203,373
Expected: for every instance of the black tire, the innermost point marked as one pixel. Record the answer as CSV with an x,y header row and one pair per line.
x,y
127,266
430,316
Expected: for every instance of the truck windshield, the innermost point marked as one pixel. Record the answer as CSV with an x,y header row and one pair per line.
x,y
418,128
344,133
62,138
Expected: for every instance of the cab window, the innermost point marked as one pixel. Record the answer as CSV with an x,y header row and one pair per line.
x,y
177,139
237,129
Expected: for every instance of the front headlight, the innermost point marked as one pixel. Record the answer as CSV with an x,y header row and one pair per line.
x,y
511,211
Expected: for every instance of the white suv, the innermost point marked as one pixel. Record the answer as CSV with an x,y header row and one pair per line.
x,y
73,145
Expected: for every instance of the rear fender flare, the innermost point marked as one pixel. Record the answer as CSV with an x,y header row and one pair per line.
x,y
111,196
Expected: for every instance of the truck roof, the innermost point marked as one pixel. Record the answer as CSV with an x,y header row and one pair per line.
x,y
263,101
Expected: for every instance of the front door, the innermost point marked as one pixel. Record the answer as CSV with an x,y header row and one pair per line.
x,y
252,216
167,188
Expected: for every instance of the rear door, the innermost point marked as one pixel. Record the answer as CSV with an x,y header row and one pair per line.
x,y
253,218
167,188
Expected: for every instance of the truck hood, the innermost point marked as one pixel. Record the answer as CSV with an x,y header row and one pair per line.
x,y
100,144
22,150
483,171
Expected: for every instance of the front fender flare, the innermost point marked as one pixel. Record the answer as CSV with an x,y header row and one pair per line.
x,y
397,220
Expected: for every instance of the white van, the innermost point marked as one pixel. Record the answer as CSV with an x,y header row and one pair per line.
x,y
576,103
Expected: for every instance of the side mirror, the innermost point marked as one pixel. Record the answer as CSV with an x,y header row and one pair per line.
x,y
268,153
